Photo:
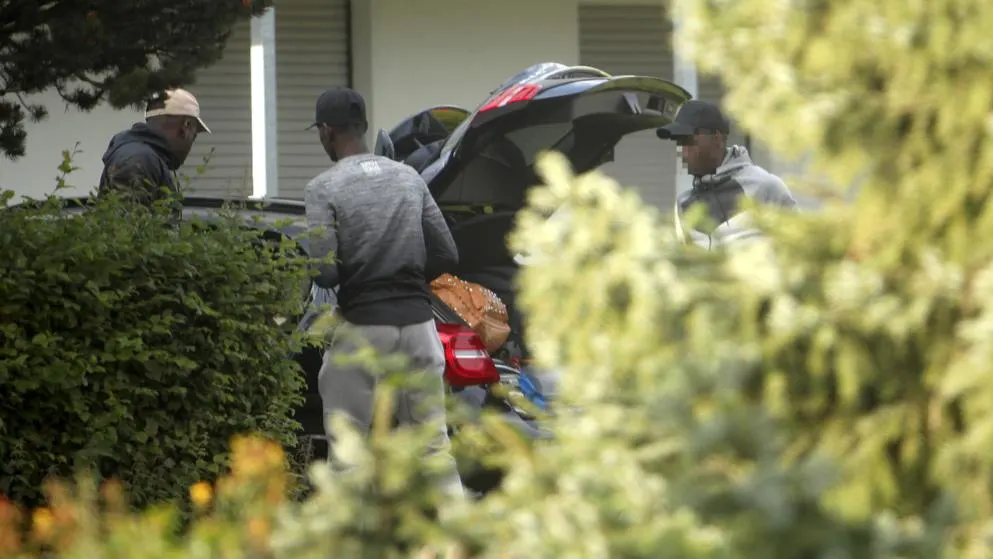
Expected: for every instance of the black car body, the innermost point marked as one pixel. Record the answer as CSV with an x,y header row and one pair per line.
x,y
479,164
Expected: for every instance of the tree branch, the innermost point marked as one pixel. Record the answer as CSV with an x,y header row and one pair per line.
x,y
105,48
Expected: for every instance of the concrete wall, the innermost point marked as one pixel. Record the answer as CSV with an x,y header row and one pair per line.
x,y
410,55
406,56
34,174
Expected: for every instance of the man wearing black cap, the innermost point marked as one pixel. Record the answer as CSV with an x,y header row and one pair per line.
x,y
388,240
722,176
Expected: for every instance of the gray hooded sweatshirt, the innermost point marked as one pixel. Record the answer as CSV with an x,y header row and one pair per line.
x,y
722,194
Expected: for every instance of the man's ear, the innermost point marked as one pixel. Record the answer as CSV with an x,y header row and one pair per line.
x,y
190,128
327,132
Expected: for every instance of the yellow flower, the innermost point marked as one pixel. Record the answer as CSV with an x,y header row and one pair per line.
x,y
201,494
275,490
113,494
10,540
8,512
258,531
274,455
43,524
254,457
226,486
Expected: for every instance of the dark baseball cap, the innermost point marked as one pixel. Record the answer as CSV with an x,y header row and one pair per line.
x,y
692,116
340,106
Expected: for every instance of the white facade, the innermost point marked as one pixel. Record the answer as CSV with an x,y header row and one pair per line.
x,y
34,174
403,56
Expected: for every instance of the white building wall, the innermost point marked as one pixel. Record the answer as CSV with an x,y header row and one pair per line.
x,y
34,174
406,56
410,55
626,39
224,156
311,55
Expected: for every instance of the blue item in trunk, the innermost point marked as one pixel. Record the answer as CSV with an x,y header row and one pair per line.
x,y
531,389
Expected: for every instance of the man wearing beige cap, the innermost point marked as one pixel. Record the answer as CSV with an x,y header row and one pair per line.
x,y
140,163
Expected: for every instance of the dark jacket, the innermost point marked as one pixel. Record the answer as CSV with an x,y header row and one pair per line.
x,y
138,164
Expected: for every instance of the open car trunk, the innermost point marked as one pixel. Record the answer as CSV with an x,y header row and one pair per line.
x,y
424,134
479,166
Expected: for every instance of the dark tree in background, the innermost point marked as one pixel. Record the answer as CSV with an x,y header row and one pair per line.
x,y
114,51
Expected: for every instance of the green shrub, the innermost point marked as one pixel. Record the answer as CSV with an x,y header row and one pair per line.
x,y
824,394
135,348
871,331
664,450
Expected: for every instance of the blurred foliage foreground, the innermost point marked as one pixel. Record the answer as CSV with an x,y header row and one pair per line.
x,y
776,401
823,394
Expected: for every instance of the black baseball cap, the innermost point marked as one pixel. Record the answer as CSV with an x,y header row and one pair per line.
x,y
339,106
692,116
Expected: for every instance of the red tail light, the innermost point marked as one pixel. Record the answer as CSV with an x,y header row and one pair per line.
x,y
467,363
516,94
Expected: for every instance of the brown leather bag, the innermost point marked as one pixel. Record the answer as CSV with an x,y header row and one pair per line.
x,y
479,307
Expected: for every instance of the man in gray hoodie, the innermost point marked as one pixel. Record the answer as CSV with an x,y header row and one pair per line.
x,y
723,176
387,240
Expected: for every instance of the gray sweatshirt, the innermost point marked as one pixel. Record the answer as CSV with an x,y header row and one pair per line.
x,y
387,235
721,194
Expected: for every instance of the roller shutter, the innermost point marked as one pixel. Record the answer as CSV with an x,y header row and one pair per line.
x,y
224,91
634,39
312,54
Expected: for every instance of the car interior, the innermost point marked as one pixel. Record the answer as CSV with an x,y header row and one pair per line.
x,y
489,184
480,202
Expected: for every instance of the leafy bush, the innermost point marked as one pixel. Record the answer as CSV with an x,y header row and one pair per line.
x,y
246,513
872,329
135,348
824,394
673,442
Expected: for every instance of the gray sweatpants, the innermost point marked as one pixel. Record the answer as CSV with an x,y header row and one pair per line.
x,y
350,388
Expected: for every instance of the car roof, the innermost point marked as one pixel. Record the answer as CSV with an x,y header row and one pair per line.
x,y
283,215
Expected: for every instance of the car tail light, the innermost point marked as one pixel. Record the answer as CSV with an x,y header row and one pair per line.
x,y
516,94
467,363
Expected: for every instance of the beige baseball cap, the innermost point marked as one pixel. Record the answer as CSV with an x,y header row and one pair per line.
x,y
179,102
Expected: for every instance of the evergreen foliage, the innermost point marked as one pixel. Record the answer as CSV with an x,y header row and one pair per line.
x,y
104,52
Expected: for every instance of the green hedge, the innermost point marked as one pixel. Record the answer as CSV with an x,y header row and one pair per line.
x,y
823,394
137,348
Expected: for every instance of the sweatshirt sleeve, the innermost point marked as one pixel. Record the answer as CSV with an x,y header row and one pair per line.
x,y
322,229
773,191
764,188
442,254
